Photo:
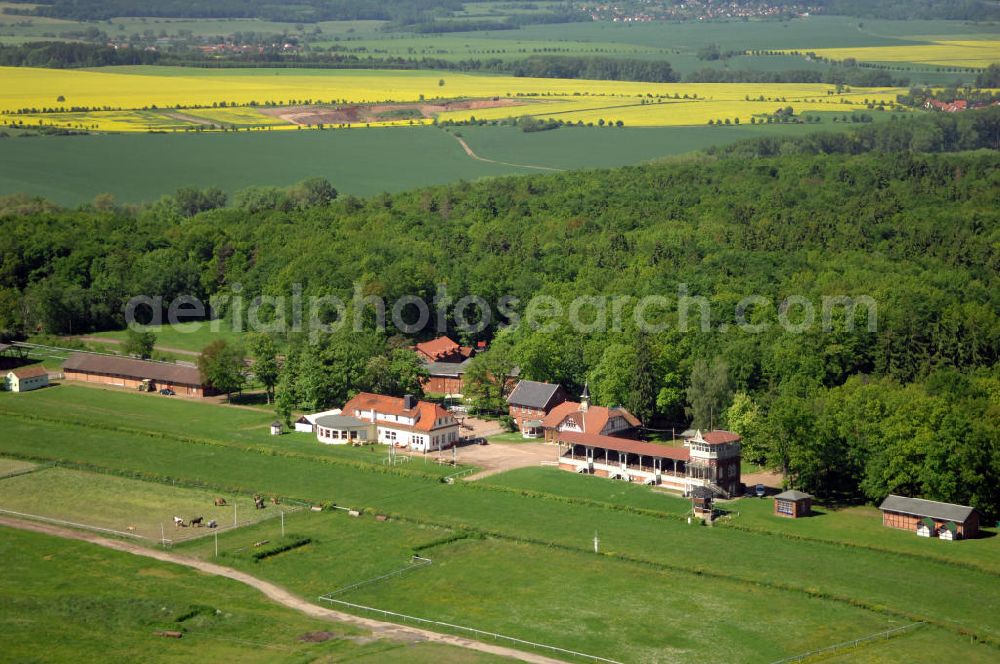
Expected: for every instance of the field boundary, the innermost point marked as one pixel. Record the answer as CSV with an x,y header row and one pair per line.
x,y
847,645
416,562
479,633
72,524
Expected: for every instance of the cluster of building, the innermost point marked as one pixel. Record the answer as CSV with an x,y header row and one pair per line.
x,y
601,441
702,10
590,439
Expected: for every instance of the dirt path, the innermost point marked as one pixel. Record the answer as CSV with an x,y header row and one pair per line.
x,y
468,151
280,595
165,349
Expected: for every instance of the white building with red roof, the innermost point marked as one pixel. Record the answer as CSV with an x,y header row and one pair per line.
x,y
401,421
25,379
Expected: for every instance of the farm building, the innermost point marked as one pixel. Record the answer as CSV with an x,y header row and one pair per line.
x,y
697,464
404,422
584,418
445,361
307,423
530,402
132,373
794,504
26,379
703,502
909,514
344,429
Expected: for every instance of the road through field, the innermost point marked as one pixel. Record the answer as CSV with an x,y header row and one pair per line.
x,y
468,151
280,595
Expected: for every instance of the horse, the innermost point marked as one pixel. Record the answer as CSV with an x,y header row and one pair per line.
x,y
275,501
220,502
212,524
197,521
131,529
178,522
258,502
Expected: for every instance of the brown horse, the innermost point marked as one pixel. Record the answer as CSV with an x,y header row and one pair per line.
x,y
220,502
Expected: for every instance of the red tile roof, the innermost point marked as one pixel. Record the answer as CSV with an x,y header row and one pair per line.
x,y
425,414
32,371
625,445
720,437
435,349
592,421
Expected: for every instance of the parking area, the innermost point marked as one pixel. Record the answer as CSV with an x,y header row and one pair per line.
x,y
499,457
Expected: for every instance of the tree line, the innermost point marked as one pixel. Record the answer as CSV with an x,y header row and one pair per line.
x,y
849,412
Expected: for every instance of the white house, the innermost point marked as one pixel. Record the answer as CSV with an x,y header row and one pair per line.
x,y
405,422
26,378
307,423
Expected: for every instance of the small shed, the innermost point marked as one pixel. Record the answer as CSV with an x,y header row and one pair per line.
x,y
926,528
25,379
793,504
949,531
277,428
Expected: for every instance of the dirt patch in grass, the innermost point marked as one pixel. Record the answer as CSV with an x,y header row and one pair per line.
x,y
364,113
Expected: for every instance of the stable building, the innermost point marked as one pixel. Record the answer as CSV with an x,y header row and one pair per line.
x,y
793,504
913,514
529,403
403,422
25,379
446,361
132,373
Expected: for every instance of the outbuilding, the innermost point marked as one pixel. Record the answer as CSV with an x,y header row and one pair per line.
x,y
26,379
135,374
908,513
793,504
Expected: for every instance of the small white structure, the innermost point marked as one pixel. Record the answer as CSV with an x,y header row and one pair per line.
x,y
926,528
949,532
307,423
343,429
276,428
26,379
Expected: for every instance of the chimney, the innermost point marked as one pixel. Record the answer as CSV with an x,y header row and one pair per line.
x,y
409,403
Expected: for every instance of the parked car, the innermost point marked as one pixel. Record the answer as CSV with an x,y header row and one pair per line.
x,y
167,392
760,491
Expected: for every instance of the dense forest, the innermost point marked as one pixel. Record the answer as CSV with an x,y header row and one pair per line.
x,y
850,411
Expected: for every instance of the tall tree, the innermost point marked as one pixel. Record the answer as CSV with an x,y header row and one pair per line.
x,y
708,393
139,343
222,365
264,354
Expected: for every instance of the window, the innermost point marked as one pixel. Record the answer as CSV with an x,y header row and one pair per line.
x,y
354,435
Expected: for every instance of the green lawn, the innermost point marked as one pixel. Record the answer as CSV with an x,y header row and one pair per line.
x,y
654,539
116,503
183,336
14,466
184,419
64,601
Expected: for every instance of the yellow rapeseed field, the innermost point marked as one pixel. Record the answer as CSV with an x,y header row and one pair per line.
x,y
969,53
166,98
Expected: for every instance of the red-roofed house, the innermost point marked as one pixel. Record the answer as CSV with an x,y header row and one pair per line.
x,y
404,422
584,418
443,349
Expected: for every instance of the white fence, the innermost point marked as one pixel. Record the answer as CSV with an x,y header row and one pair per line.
x,y
847,645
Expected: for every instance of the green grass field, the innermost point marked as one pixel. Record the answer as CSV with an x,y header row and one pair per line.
x,y
14,466
116,503
357,161
63,601
183,336
862,583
